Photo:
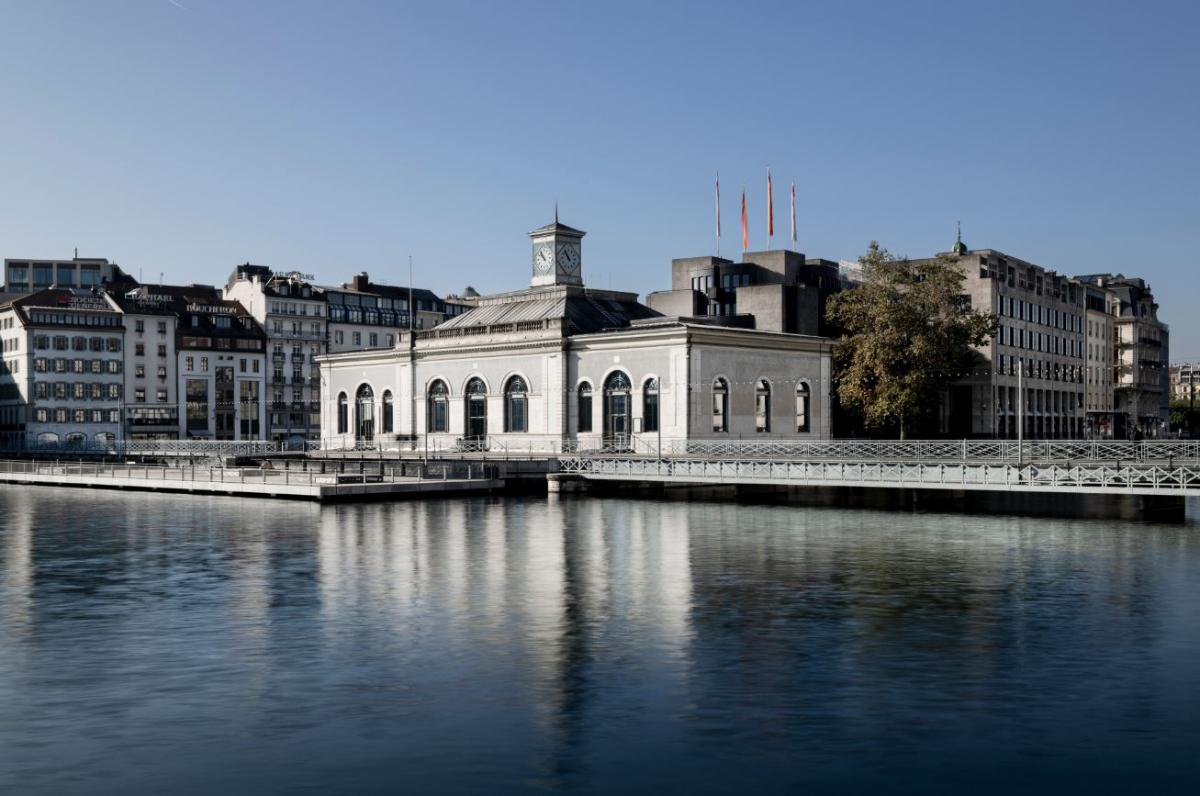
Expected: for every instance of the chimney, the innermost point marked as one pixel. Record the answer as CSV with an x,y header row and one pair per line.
x,y
361,281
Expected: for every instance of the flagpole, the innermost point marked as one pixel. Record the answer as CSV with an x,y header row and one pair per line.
x,y
718,214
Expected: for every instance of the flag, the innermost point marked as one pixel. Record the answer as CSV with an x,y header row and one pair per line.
x,y
745,233
793,212
718,212
770,210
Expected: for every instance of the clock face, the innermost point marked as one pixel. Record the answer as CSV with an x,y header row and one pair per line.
x,y
568,257
543,259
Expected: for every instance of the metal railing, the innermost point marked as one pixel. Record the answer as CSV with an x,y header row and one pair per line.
x,y
798,450
384,472
1180,480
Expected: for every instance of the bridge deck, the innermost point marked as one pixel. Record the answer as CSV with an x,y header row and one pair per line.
x,y
1087,478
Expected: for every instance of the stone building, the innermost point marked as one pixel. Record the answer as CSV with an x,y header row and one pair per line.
x,y
62,381
1140,357
560,364
1041,330
151,408
1185,381
1101,345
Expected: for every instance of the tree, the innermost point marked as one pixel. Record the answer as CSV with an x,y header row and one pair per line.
x,y
906,333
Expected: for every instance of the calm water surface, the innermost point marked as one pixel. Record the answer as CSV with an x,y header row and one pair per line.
x,y
196,645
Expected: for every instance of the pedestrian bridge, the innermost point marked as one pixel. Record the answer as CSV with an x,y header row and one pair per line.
x,y
1133,478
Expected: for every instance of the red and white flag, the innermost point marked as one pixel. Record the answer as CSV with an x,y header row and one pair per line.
x,y
770,210
745,232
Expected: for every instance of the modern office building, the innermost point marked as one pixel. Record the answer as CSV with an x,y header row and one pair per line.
x,y
1040,335
24,275
774,291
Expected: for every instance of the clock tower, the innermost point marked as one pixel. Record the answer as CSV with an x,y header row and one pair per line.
x,y
557,255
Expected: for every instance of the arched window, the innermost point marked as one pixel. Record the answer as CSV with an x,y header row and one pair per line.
x,y
720,405
364,413
762,406
476,409
802,407
76,438
650,405
585,408
388,423
47,438
617,409
438,399
343,420
516,405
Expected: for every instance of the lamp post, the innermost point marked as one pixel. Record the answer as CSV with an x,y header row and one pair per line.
x,y
1020,411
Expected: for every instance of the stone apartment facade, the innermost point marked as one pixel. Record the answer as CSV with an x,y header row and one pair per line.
x,y
1141,357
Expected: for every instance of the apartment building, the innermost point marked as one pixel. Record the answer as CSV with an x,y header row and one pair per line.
x,y
1141,353
292,313
1038,355
1101,344
62,380
151,407
1185,382
364,314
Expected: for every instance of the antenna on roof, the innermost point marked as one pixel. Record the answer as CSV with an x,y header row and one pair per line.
x,y
555,211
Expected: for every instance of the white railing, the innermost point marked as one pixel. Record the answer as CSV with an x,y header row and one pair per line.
x,y
128,447
922,450
1089,478
391,472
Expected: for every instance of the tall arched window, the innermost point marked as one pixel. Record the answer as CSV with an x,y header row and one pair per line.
x,y
762,406
475,399
802,407
584,424
439,407
720,405
516,405
343,420
616,408
388,424
364,413
650,405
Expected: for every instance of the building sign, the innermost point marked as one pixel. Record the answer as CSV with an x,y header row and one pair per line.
x,y
84,303
211,309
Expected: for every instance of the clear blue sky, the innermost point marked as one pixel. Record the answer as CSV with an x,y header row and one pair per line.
x,y
185,136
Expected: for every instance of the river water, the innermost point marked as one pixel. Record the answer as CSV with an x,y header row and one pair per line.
x,y
175,644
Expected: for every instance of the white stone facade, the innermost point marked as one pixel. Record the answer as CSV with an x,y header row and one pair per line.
x,y
685,360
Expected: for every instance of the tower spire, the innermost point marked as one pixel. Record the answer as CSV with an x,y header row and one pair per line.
x,y
555,211
959,246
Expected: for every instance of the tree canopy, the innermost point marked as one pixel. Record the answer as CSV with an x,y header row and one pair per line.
x,y
906,333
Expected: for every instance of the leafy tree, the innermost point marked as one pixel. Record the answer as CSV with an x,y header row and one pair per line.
x,y
906,333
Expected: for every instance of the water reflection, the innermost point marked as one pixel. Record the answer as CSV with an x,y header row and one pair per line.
x,y
192,644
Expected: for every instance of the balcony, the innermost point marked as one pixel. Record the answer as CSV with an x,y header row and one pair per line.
x,y
314,381
299,381
278,379
297,357
278,356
